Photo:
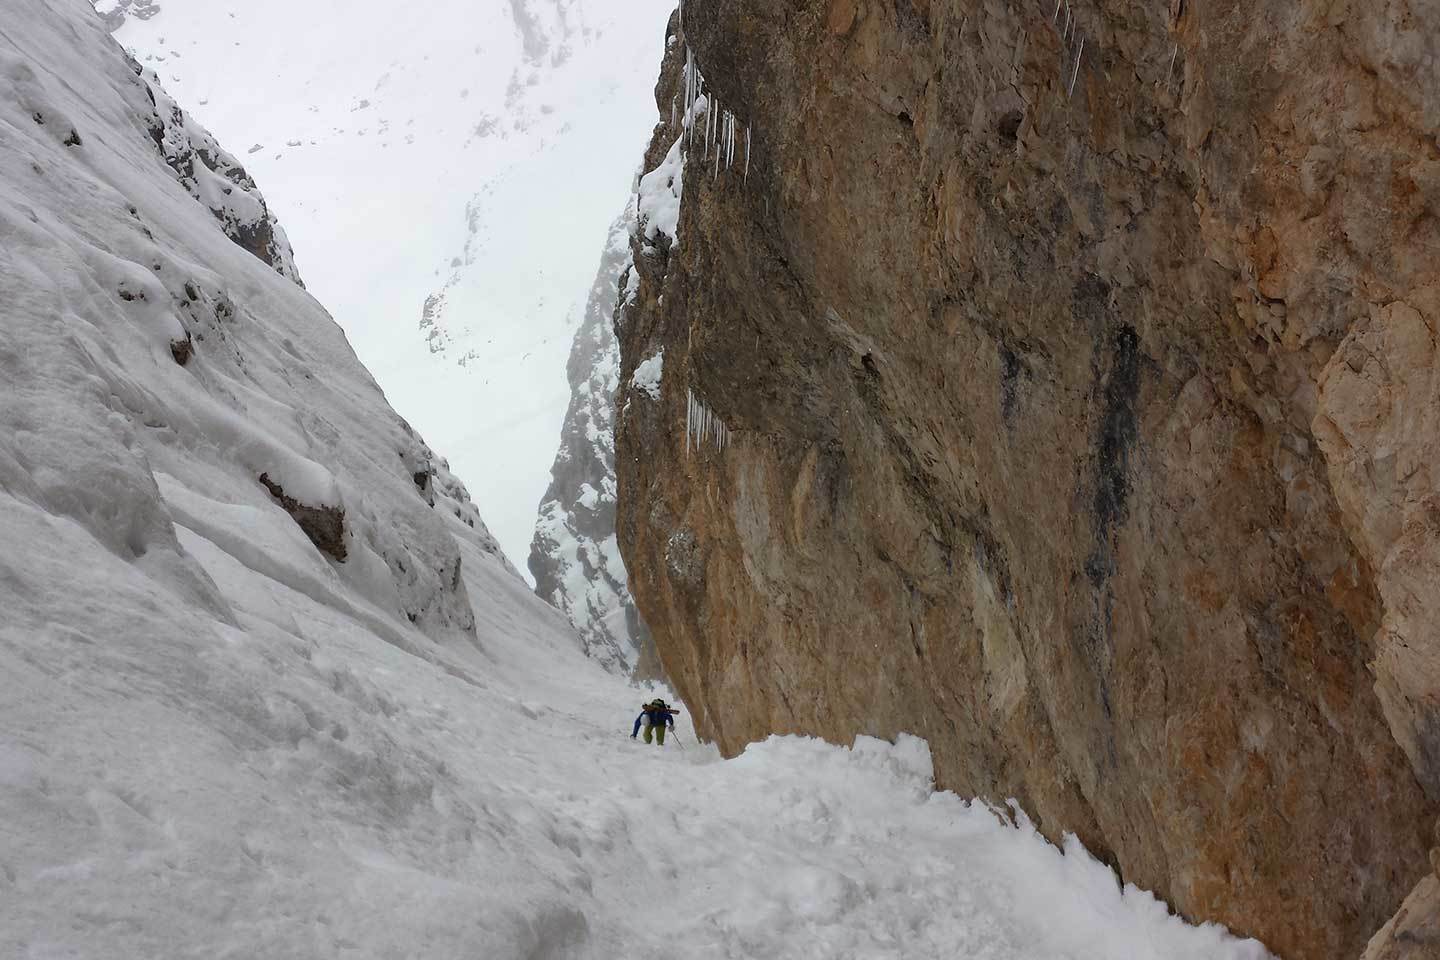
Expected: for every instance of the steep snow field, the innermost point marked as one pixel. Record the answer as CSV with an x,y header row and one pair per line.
x,y
218,741
448,173
310,791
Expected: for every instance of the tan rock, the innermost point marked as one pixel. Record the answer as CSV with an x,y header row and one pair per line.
x,y
1414,932
1093,445
842,16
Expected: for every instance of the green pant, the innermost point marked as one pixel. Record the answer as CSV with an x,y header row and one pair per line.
x,y
659,731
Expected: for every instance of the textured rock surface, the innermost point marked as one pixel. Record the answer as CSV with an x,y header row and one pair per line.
x,y
574,557
324,525
1079,374
1414,932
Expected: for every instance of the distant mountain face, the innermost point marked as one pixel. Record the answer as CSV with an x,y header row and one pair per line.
x,y
574,557
448,184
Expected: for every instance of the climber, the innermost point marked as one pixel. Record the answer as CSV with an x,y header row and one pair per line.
x,y
653,717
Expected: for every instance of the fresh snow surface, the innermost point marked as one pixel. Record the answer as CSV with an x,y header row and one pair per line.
x,y
448,171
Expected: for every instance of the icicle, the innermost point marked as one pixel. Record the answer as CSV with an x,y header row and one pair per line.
x,y
1171,69
747,154
717,162
1055,18
689,418
689,92
1071,91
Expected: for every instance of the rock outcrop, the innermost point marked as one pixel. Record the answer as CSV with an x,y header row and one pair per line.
x,y
1066,376
574,557
216,179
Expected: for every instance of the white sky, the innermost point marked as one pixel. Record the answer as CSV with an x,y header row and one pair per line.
x,y
383,133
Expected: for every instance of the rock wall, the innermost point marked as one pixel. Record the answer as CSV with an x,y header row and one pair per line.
x,y
1077,368
574,557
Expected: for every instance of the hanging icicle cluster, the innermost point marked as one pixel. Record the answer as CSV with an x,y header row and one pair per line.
x,y
722,128
1068,33
701,425
694,92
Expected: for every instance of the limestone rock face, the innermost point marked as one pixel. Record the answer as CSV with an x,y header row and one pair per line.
x,y
574,557
1077,367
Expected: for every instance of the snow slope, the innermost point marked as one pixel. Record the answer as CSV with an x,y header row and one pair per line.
x,y
218,741
448,172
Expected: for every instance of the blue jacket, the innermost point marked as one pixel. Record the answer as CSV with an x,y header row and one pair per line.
x,y
657,715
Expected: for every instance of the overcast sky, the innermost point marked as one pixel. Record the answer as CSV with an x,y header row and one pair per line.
x,y
471,151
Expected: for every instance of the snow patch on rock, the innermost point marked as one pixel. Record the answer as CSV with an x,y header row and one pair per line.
x,y
659,196
647,375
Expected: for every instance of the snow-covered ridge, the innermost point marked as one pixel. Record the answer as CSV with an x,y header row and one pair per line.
x,y
175,383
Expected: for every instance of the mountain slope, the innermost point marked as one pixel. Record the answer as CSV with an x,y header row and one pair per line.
x,y
491,144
